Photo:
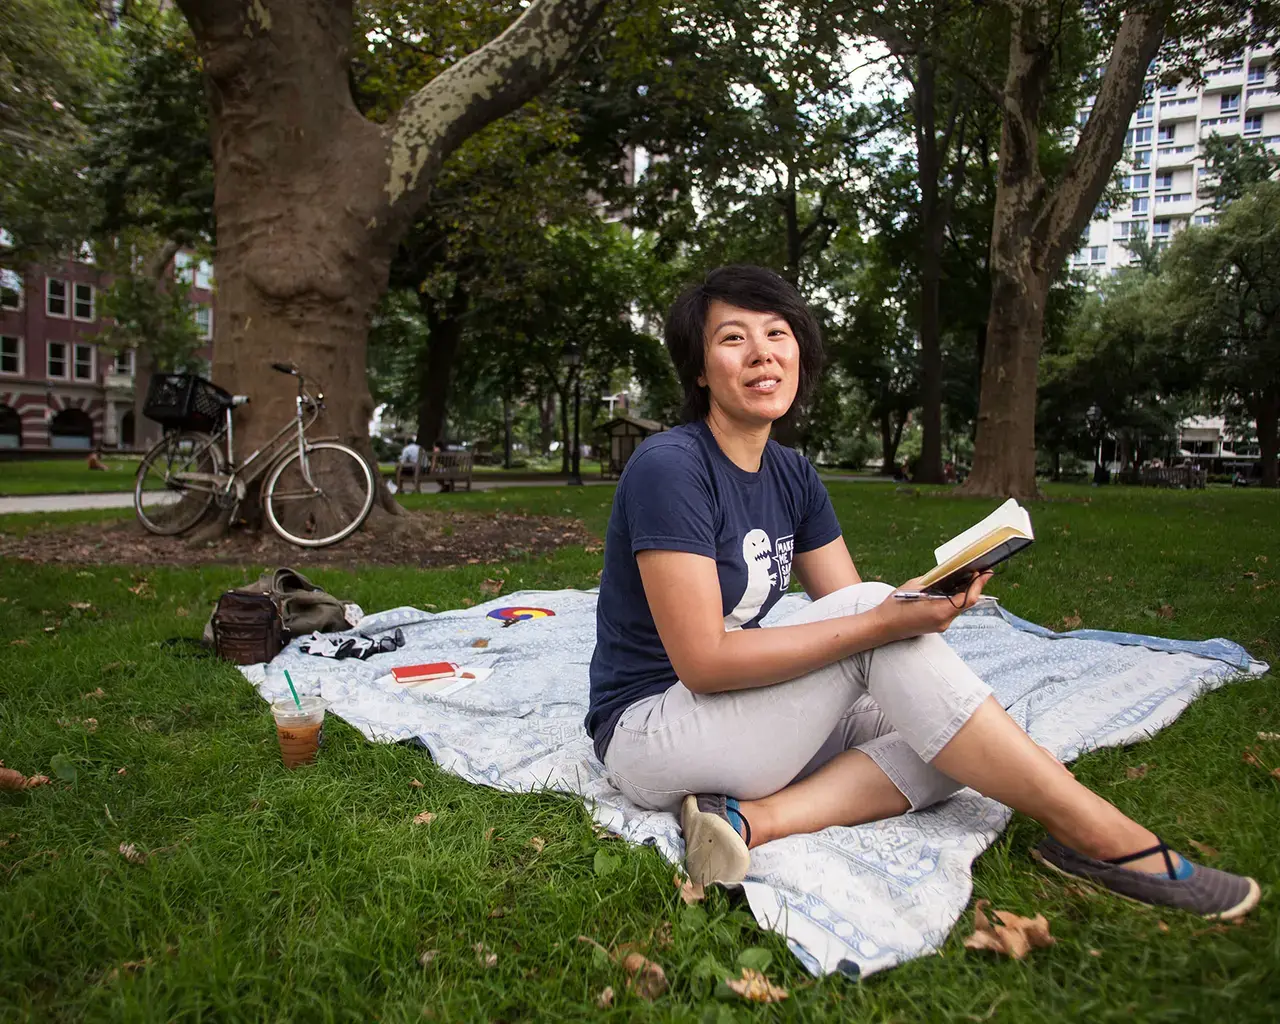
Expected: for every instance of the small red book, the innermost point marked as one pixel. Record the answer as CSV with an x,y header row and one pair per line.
x,y
424,673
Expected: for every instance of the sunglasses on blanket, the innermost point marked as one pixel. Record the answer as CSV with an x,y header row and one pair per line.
x,y
390,642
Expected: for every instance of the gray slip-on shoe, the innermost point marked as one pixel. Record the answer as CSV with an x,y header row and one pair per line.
x,y
1205,891
714,851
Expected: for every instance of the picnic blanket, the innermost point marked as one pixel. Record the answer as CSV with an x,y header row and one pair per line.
x,y
856,899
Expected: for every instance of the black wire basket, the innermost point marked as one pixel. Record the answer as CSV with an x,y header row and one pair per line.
x,y
184,401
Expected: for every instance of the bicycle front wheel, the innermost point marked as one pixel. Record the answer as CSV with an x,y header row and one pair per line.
x,y
176,482
320,497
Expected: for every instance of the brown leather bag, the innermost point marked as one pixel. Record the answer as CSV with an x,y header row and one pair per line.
x,y
247,628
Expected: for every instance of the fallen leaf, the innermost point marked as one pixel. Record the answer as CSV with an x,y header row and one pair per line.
x,y
645,978
691,892
132,854
492,587
182,613
1095,952
1249,757
1137,772
427,956
1071,621
1204,848
538,844
1160,925
19,643
1275,773
467,602
99,692
122,771
80,606
485,955
1165,611
480,642
128,967
1012,935
91,724
488,834
13,779
756,988
425,818
1269,737
497,912
663,936
415,784
605,999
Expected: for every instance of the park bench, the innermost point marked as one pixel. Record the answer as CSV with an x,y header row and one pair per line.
x,y
1186,477
448,469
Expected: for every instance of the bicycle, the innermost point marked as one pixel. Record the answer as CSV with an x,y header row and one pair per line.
x,y
316,493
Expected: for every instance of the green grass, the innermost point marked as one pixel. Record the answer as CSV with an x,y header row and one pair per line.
x,y
310,895
67,476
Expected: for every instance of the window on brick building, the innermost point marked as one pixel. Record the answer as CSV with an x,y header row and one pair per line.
x,y
10,289
55,297
85,305
56,364
83,366
11,355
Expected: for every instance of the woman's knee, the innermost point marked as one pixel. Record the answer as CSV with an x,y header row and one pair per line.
x,y
857,597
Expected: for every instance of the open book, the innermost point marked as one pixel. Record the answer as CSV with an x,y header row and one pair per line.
x,y
1003,533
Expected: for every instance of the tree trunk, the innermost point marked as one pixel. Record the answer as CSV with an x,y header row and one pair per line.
x,y
508,415
1034,228
435,363
932,226
311,198
890,438
1267,416
566,438
546,421
1004,454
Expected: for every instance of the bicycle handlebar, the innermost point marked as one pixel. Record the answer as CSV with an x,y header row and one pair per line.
x,y
285,368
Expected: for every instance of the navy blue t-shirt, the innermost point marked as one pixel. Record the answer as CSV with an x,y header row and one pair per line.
x,y
680,492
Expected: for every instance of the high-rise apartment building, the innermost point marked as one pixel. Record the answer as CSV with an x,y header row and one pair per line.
x,y
1163,167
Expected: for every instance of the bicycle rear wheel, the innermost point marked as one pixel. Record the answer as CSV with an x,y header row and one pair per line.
x,y
323,501
173,489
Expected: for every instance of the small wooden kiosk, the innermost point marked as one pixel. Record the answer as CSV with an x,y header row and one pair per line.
x,y
620,437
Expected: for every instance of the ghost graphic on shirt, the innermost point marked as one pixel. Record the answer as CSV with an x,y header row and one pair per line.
x,y
757,552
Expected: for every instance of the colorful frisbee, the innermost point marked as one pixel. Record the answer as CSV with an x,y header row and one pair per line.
x,y
518,613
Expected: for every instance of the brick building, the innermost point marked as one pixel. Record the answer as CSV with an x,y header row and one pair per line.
x,y
59,389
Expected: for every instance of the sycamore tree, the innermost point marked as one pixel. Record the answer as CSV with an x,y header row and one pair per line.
x,y
1224,303
1041,210
312,197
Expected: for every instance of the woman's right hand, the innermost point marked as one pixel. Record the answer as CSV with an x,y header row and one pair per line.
x,y
904,619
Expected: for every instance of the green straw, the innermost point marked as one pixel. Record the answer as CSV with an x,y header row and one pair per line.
x,y
292,690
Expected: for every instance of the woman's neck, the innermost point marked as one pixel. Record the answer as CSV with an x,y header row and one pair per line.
x,y
742,445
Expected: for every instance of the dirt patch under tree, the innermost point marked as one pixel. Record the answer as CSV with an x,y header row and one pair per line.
x,y
425,539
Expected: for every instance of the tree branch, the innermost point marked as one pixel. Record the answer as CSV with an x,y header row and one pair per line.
x,y
1102,138
491,82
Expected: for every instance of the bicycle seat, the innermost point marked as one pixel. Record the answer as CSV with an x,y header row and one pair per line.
x,y
239,400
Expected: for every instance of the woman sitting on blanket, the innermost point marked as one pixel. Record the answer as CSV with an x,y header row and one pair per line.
x,y
853,710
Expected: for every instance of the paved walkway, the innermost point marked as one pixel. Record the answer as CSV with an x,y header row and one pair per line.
x,y
123,499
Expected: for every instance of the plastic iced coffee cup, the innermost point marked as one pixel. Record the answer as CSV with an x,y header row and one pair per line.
x,y
299,729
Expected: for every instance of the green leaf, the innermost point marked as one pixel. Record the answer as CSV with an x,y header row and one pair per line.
x,y
64,768
693,919
755,957
718,1014
604,864
710,967
600,956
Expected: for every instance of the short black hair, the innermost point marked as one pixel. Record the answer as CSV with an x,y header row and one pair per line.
x,y
747,287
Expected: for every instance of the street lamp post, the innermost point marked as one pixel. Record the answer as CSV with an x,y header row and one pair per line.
x,y
572,358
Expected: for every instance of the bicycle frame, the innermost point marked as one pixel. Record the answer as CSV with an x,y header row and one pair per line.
x,y
306,411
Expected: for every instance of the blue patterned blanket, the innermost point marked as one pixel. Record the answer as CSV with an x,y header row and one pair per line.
x,y
858,899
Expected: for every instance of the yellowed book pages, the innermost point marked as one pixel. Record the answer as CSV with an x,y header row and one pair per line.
x,y
982,554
